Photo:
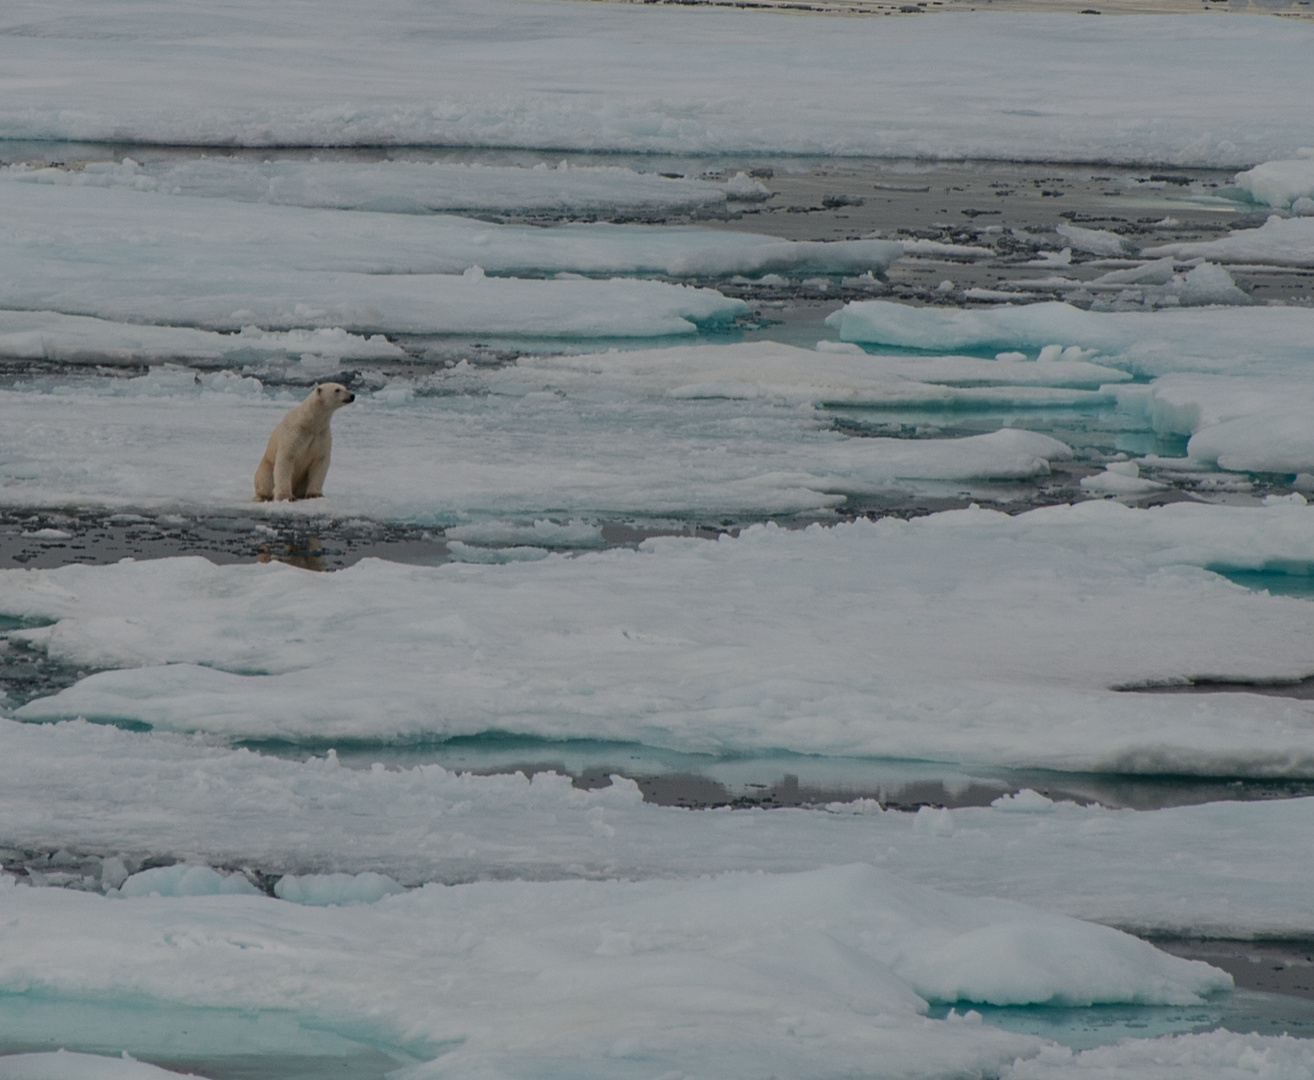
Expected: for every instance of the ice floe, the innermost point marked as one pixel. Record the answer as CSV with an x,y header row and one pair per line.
x,y
968,636
1236,422
1219,1055
1280,183
1278,242
48,335
62,1065
1272,340
408,186
499,976
720,432
1000,85
1225,869
146,233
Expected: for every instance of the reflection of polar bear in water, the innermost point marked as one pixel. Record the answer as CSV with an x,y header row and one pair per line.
x,y
297,457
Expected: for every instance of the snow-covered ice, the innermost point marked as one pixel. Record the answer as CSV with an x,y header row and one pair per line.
x,y
48,335
1219,1055
1015,86
1259,340
409,186
1278,242
677,432
142,257
1225,869
704,974
62,1065
1280,183
994,640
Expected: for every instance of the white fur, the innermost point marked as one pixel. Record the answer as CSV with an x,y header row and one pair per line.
x,y
297,457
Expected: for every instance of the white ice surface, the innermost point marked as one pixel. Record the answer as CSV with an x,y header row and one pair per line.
x,y
1280,183
1278,242
404,186
968,636
62,1065
658,78
1226,869
1217,1055
720,976
1267,340
143,257
1236,422
703,430
48,335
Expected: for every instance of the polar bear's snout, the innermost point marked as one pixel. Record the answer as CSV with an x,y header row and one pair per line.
x,y
297,457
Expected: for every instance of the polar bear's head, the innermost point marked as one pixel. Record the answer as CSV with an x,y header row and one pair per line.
x,y
331,395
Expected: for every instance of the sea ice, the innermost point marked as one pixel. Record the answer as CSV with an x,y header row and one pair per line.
x,y
704,975
60,240
48,335
1218,1055
1248,423
183,880
1224,869
61,1065
546,439
334,890
1000,85
996,639
1259,340
1096,241
408,186
1278,242
1280,183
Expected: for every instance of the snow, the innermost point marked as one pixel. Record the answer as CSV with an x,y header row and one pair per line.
x,y
676,432
1229,869
408,186
48,335
1219,1055
61,1065
521,74
997,640
1280,183
1267,340
1278,242
58,235
497,976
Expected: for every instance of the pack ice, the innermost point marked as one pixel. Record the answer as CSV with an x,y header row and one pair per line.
x,y
673,432
610,978
660,79
995,639
1282,184
220,265
338,835
411,187
1267,340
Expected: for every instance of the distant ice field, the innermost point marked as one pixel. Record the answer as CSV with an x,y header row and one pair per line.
x,y
983,85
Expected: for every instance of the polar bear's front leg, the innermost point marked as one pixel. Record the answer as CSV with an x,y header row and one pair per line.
x,y
283,466
315,476
264,479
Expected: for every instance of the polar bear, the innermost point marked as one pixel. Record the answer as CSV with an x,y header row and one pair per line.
x,y
297,457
